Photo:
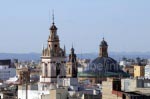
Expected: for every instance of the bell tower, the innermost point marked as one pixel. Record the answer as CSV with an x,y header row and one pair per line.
x,y
53,58
103,49
53,40
71,65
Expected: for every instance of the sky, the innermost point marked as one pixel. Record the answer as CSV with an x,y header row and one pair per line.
x,y
125,25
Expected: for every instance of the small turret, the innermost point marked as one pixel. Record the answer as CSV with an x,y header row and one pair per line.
x,y
72,64
72,56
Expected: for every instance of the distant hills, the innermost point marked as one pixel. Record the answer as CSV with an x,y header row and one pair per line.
x,y
115,55
20,56
118,55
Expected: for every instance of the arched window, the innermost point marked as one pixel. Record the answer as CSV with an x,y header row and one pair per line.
x,y
69,70
46,72
57,69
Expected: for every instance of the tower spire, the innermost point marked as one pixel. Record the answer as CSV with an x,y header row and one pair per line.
x,y
72,45
53,17
53,28
72,49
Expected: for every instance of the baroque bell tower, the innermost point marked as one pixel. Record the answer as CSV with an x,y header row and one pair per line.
x,y
71,65
53,58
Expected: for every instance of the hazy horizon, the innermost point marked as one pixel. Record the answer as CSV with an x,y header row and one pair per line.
x,y
24,25
123,52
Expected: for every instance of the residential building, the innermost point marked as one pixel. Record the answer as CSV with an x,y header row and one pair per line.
x,y
111,88
116,89
129,70
58,93
139,71
6,70
136,84
83,65
147,71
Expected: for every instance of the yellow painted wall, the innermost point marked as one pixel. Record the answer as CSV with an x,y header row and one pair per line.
x,y
139,71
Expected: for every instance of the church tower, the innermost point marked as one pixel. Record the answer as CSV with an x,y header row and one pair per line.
x,y
71,65
53,58
103,49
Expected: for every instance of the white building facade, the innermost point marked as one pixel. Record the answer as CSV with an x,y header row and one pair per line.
x,y
147,71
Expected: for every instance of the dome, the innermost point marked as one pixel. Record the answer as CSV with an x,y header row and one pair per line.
x,y
103,43
103,60
53,27
104,63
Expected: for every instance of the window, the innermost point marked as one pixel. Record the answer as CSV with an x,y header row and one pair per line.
x,y
58,69
46,72
69,70
55,45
